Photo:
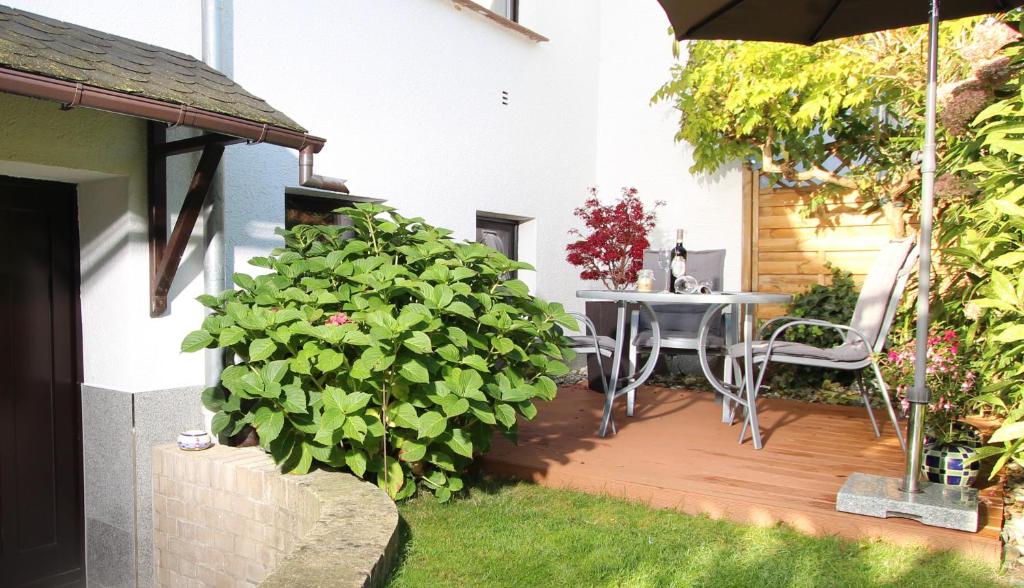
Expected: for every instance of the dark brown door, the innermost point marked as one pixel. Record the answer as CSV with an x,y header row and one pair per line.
x,y
40,441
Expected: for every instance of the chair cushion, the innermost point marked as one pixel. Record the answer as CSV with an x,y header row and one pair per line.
x,y
847,352
585,341
878,289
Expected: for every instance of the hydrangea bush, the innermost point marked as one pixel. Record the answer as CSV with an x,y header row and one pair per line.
x,y
384,348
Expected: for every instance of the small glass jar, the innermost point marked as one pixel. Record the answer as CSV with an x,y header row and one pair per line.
x,y
645,280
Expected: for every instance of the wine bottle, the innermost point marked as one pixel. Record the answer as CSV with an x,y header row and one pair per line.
x,y
678,264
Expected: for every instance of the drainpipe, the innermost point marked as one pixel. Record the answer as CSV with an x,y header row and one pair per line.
x,y
213,223
310,180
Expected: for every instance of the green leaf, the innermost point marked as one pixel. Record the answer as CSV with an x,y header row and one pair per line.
x,y
268,423
460,443
418,342
1007,432
354,402
556,369
196,340
414,371
356,461
274,371
460,308
505,414
1011,334
412,451
391,478
261,349
294,399
229,336
458,337
1003,288
220,423
329,360
355,429
213,398
476,362
431,425
403,414
453,406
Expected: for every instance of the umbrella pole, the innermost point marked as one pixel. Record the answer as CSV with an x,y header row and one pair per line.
x,y
919,395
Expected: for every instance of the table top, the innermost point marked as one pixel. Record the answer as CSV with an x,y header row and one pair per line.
x,y
673,298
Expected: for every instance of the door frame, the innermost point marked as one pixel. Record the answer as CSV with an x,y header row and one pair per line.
x,y
75,283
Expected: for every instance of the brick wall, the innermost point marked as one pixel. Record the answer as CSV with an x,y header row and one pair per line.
x,y
225,516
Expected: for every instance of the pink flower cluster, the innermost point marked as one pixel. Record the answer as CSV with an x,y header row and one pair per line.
x,y
951,384
338,319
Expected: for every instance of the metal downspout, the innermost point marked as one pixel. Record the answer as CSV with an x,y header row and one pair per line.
x,y
310,180
213,222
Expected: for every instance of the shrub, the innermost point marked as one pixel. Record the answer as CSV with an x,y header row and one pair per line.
x,y
613,249
981,238
384,348
951,383
834,303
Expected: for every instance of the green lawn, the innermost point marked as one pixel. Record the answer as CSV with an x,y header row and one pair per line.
x,y
525,535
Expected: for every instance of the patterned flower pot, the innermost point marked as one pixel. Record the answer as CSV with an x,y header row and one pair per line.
x,y
944,464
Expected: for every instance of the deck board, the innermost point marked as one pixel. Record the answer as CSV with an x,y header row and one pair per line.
x,y
676,454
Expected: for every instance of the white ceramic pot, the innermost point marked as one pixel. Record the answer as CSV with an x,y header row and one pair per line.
x,y
194,440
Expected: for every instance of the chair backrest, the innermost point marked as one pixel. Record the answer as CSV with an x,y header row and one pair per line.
x,y
704,265
882,290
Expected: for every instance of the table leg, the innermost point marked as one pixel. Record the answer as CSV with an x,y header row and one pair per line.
x,y
748,373
634,328
613,381
731,328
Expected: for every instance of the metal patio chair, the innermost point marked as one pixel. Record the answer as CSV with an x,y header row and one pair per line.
x,y
598,345
864,337
680,323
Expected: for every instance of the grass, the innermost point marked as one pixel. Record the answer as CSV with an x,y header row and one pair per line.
x,y
526,535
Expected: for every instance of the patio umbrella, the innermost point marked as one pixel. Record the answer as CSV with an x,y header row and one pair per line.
x,y
808,22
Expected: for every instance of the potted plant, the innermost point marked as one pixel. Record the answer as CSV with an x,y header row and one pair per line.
x,y
949,440
610,250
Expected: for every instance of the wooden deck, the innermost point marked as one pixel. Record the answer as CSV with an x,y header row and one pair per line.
x,y
675,453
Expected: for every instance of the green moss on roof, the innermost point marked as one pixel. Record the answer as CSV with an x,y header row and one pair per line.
x,y
64,51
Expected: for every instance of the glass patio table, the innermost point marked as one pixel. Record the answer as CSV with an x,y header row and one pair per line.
x,y
741,303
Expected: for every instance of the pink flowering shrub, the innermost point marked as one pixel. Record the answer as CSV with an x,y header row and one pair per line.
x,y
951,383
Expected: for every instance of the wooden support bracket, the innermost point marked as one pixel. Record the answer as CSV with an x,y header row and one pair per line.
x,y
165,252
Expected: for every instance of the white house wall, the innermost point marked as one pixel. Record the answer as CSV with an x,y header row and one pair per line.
x,y
408,94
105,155
635,139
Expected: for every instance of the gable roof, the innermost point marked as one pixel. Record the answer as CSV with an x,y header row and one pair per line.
x,y
54,49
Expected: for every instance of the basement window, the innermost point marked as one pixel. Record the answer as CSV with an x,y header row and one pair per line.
x,y
314,210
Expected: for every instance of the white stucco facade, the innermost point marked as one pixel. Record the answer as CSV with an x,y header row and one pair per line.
x,y
408,94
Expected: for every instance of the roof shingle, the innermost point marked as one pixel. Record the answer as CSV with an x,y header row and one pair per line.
x,y
44,46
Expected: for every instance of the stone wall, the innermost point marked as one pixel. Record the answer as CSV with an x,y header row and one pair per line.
x,y
228,517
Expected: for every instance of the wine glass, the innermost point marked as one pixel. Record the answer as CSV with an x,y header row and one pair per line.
x,y
665,263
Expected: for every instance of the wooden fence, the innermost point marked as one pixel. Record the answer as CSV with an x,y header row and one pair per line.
x,y
788,250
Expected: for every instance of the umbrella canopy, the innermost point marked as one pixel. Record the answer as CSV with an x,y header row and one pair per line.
x,y
809,21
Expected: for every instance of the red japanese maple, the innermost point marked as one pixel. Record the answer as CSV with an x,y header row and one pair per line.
x,y
612,250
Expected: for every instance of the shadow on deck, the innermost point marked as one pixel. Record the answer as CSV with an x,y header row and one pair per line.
x,y
675,453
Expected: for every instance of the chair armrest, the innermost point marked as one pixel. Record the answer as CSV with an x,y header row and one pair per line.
x,y
842,329
797,319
